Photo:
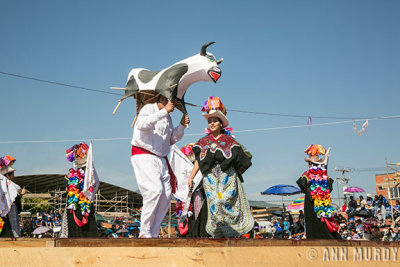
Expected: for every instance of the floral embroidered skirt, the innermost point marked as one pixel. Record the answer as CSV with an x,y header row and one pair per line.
x,y
229,212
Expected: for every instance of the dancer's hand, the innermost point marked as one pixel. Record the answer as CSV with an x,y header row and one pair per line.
x,y
169,107
190,183
23,191
185,120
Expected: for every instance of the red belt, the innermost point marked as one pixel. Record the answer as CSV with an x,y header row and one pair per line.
x,y
138,150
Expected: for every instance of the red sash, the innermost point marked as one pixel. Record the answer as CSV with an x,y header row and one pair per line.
x,y
138,150
79,222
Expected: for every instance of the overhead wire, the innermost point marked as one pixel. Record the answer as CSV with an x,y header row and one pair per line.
x,y
189,104
348,119
58,83
191,134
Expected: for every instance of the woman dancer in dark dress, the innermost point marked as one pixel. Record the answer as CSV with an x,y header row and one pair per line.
x,y
317,187
222,161
79,216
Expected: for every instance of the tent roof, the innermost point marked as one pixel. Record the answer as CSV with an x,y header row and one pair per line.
x,y
262,204
43,183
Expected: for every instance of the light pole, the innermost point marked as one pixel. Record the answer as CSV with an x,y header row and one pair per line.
x,y
343,180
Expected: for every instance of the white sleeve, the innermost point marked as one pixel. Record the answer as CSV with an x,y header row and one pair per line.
x,y
146,118
177,134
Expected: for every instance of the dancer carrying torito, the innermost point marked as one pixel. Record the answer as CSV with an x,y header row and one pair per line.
x,y
153,134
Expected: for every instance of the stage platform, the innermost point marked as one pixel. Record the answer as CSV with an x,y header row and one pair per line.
x,y
196,252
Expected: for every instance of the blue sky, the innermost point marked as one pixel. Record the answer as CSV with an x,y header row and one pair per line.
x,y
313,58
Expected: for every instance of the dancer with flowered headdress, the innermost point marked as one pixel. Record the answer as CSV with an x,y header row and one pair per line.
x,y
79,216
317,187
222,161
10,199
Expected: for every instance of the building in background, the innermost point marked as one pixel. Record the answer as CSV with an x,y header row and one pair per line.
x,y
391,181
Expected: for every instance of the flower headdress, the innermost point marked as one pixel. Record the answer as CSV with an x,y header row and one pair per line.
x,y
77,151
6,161
213,107
314,150
5,164
213,103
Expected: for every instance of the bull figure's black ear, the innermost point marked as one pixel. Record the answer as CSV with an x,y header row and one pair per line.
x,y
220,61
204,48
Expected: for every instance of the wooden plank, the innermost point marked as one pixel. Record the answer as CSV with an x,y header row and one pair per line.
x,y
212,242
43,195
187,242
27,242
312,254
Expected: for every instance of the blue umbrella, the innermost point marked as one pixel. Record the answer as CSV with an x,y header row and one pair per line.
x,y
282,190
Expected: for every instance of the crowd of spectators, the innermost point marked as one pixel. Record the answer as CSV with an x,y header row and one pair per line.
x,y
282,226
359,219
52,219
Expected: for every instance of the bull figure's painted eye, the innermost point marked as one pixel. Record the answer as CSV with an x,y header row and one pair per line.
x,y
211,58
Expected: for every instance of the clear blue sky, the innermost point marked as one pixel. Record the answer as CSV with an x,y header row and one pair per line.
x,y
317,58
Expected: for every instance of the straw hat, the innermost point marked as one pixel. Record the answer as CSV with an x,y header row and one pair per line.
x,y
6,170
214,108
218,114
314,159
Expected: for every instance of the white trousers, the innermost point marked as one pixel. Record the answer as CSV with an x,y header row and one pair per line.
x,y
152,177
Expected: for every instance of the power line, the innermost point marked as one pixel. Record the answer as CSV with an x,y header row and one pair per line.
x,y
376,169
58,83
189,104
196,134
288,115
63,140
295,116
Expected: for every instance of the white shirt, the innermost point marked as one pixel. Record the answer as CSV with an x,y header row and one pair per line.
x,y
154,131
268,227
8,193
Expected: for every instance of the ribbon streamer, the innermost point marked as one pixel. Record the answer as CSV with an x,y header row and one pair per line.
x,y
309,121
363,128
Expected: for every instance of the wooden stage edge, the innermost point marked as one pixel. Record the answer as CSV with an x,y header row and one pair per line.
x,y
196,252
186,242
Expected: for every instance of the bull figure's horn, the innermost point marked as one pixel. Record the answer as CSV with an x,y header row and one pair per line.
x,y
220,61
204,48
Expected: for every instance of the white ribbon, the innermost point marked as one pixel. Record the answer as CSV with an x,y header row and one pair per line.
x,y
363,128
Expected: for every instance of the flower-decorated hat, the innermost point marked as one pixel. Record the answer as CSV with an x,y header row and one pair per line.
x,y
213,107
77,153
313,152
5,164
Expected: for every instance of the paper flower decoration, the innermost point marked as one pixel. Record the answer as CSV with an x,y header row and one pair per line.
x,y
213,102
314,150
